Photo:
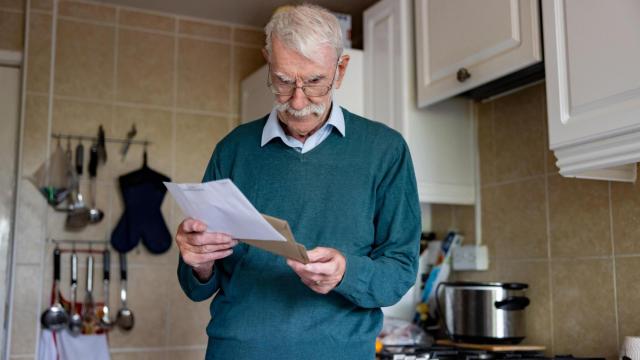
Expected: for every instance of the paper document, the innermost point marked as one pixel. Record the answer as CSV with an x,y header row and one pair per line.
x,y
223,208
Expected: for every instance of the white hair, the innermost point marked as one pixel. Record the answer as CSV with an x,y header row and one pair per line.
x,y
312,108
304,28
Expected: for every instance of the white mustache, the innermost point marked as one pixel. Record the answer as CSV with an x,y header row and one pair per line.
x,y
316,109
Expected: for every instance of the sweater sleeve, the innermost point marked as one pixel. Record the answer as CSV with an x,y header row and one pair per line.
x,y
192,287
382,277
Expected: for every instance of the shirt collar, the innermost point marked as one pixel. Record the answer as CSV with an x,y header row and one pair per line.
x,y
272,129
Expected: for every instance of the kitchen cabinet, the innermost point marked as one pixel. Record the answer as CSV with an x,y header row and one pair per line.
x,y
462,44
592,52
441,138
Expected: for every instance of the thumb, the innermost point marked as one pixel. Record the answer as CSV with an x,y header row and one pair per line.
x,y
320,254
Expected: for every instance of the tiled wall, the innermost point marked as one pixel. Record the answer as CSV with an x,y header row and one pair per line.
x,y
575,242
178,80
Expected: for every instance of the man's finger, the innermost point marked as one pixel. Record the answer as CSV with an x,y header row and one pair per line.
x,y
321,254
209,239
191,225
323,268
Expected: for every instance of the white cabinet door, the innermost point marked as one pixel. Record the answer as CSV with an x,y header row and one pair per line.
x,y
592,51
462,44
441,138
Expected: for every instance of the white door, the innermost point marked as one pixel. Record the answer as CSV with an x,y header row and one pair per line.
x,y
592,51
9,100
462,44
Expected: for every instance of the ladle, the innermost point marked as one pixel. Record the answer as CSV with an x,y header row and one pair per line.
x,y
55,317
95,215
125,319
105,319
75,321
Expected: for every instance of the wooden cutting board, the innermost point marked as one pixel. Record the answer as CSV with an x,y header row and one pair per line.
x,y
491,347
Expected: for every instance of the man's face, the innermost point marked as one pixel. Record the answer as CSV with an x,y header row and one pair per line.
x,y
303,114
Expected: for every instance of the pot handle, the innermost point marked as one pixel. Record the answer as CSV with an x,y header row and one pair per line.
x,y
512,303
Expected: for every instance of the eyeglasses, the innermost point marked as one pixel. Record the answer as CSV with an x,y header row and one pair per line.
x,y
287,89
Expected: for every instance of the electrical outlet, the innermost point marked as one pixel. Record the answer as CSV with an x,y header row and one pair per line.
x,y
470,258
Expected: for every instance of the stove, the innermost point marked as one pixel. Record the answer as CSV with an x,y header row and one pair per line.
x,y
437,352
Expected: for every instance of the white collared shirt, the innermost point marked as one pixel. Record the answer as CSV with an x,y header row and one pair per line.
x,y
272,129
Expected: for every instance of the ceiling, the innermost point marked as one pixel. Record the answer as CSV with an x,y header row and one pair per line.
x,y
247,12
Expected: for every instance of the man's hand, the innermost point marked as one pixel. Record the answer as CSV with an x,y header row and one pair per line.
x,y
200,249
323,272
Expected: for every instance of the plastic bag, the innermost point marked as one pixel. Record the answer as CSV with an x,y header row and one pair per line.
x,y
399,332
54,178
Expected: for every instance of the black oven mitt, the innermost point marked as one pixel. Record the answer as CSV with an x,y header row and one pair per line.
x,y
142,191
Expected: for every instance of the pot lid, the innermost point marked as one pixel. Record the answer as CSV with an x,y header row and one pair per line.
x,y
507,286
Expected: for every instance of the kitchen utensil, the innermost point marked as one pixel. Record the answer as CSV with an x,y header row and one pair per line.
x,y
125,319
105,320
55,317
75,321
130,135
78,216
79,159
102,147
95,215
483,313
88,309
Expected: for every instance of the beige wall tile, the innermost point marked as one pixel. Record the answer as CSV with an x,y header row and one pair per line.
x,y
34,146
538,313
486,142
579,217
87,11
196,137
84,60
189,319
148,300
245,62
519,134
39,54
204,29
465,222
187,354
514,220
441,219
249,36
29,232
146,20
203,75
11,30
25,309
625,202
145,68
41,4
12,4
627,275
153,125
583,308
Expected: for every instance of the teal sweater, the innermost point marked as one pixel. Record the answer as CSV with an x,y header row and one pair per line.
x,y
356,194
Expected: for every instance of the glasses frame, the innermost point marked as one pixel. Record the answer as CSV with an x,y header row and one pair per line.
x,y
304,88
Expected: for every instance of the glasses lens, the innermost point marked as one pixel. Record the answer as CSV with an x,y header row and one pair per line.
x,y
315,90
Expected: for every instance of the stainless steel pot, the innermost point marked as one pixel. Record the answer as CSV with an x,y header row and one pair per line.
x,y
483,312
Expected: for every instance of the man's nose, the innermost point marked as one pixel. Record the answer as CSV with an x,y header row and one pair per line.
x,y
298,100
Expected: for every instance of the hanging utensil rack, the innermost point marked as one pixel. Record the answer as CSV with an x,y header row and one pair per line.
x,y
91,244
95,138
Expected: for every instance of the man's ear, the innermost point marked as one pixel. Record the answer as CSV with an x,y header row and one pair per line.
x,y
342,68
265,54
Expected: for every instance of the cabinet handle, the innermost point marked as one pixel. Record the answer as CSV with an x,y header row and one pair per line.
x,y
463,74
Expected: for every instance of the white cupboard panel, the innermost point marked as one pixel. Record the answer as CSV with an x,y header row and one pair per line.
x,y
488,39
593,86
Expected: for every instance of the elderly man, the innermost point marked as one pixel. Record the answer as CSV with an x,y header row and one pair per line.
x,y
344,183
